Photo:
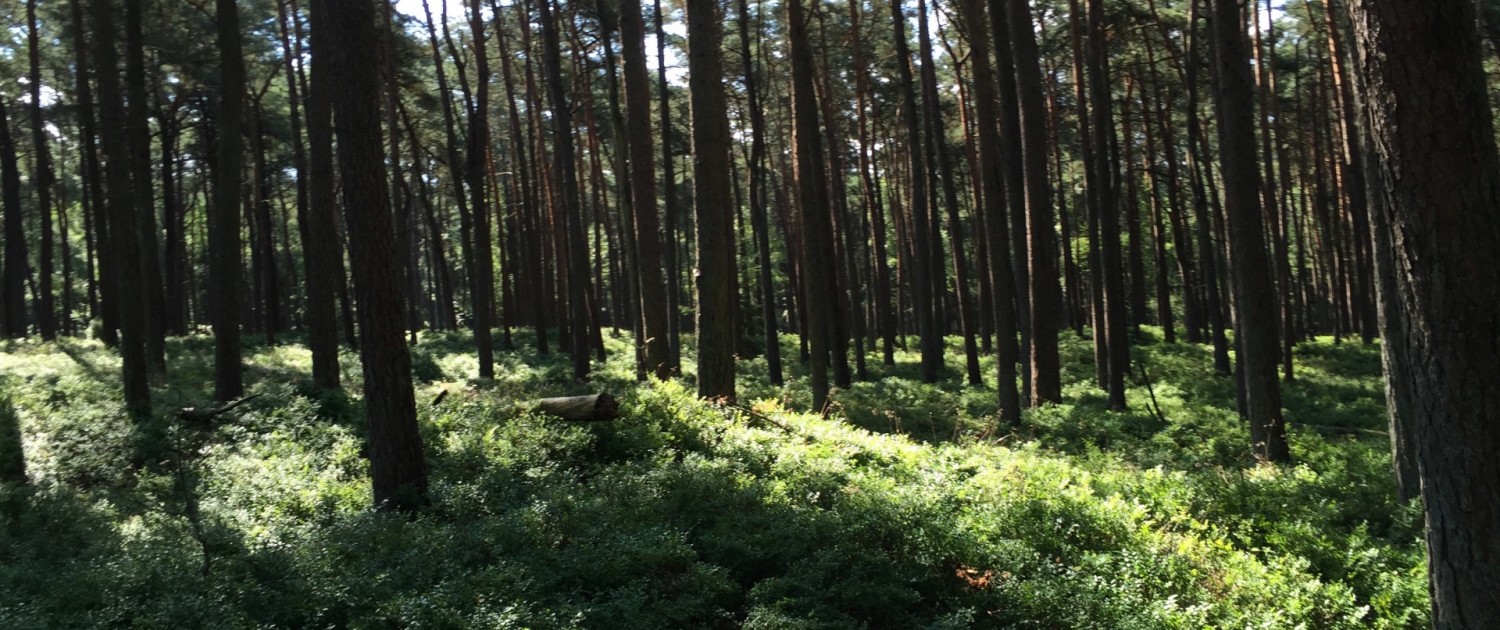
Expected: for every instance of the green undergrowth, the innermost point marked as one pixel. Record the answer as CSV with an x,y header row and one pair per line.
x,y
908,508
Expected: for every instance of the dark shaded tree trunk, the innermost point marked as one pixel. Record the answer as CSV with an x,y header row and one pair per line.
x,y
885,316
125,245
942,162
922,287
759,221
1106,209
108,311
812,201
991,164
13,285
1254,289
224,216
397,464
669,194
1426,101
1198,166
1013,167
712,201
565,174
652,289
43,180
324,265
12,451
1046,294
151,290
482,274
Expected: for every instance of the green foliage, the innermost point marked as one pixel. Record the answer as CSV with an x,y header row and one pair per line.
x,y
915,513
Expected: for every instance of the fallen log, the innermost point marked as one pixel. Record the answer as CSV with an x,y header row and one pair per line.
x,y
600,407
204,418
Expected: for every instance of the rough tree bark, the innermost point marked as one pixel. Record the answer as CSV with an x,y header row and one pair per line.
x,y
1426,102
712,200
397,466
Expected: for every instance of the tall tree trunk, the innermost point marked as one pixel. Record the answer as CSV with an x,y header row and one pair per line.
x,y
1426,101
139,129
991,163
1254,290
324,265
1351,178
397,466
760,224
885,313
566,175
482,274
1046,294
108,311
224,216
655,329
13,287
923,290
1013,167
713,205
1106,174
669,193
174,250
1198,167
967,318
43,180
812,201
125,245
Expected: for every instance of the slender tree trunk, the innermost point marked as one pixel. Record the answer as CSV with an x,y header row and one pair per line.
x,y
1254,290
922,287
125,245
566,175
1013,167
108,310
967,313
652,291
669,194
324,265
1106,176
1198,165
812,201
482,274
139,130
1046,294
885,313
991,163
43,180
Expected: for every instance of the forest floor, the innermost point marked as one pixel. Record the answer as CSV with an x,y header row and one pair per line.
x,y
906,508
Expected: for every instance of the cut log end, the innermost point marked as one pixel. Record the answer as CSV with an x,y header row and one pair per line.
x,y
600,407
